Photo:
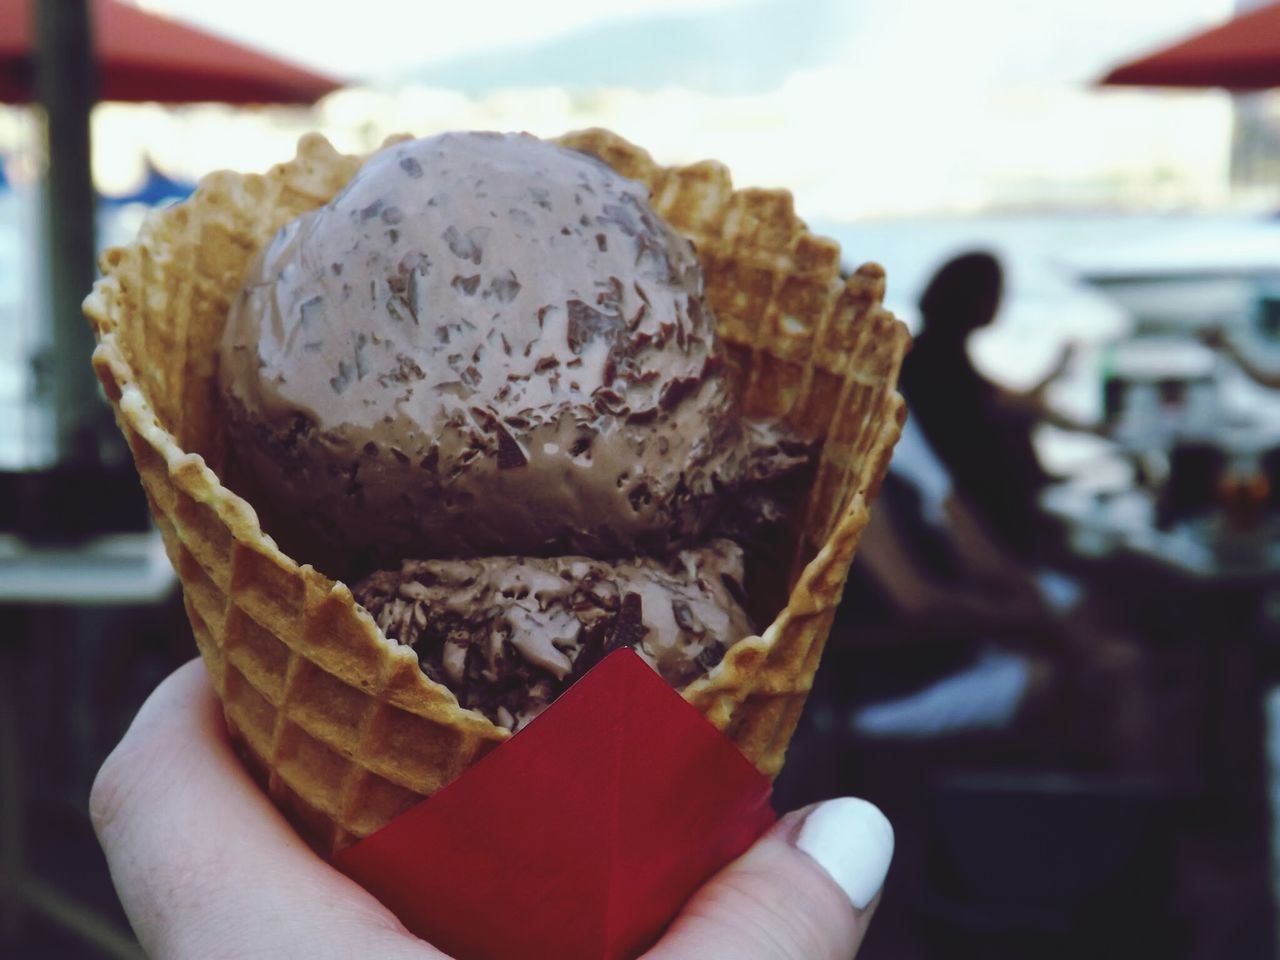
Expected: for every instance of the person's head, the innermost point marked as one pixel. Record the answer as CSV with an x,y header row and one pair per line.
x,y
963,295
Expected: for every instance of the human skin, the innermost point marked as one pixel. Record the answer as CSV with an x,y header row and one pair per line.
x,y
206,867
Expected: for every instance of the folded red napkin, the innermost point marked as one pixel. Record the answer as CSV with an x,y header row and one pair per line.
x,y
580,837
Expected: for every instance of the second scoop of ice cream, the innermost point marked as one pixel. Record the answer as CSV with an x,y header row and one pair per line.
x,y
509,634
485,344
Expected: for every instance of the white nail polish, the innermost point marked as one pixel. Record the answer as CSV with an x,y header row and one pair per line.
x,y
853,841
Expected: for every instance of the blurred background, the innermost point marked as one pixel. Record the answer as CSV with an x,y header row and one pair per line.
x,y
1055,667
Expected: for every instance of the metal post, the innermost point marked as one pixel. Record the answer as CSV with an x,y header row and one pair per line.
x,y
66,87
10,784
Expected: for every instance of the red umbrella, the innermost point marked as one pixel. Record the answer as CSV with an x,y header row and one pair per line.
x,y
145,57
135,56
1241,54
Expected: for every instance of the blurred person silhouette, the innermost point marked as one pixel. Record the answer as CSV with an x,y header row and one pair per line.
x,y
982,432
949,652
1218,339
205,866
945,636
1023,640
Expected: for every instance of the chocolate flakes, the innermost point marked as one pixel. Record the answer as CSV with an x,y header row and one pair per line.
x,y
509,634
469,245
339,383
586,323
676,390
568,339
466,285
510,453
503,288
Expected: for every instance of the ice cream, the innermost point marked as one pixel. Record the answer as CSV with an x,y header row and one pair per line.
x,y
484,345
486,368
344,728
509,634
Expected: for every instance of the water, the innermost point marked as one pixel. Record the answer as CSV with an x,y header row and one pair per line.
x,y
26,422
1046,301
25,433
1045,305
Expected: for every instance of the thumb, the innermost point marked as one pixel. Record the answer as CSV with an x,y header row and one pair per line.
x,y
805,891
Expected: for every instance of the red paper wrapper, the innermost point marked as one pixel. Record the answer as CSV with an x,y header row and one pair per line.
x,y
578,839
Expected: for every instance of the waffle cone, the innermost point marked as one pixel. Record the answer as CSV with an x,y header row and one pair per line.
x,y
340,724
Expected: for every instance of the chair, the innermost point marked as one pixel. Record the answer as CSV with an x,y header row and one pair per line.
x,y
1195,472
1049,865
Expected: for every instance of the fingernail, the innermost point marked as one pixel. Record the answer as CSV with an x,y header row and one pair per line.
x,y
853,841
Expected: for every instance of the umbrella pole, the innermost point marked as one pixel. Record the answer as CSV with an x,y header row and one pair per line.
x,y
65,78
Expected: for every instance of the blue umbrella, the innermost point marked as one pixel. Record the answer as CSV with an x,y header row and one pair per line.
x,y
156,189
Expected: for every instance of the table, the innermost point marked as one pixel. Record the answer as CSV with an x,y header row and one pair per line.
x,y
1216,583
1106,524
109,571
112,570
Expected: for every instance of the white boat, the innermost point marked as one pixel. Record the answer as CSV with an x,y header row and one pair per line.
x,y
1189,275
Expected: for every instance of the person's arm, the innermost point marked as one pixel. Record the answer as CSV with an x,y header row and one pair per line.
x,y
206,867
1033,404
993,567
1218,340
1056,418
915,595
1066,356
924,602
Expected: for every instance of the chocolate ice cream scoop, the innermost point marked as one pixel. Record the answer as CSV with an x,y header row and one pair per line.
x,y
485,344
509,634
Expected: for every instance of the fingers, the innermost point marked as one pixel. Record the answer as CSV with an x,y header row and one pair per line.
x,y
1212,336
204,864
206,867
805,891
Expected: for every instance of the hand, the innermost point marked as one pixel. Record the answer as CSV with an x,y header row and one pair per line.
x,y
1066,356
1213,337
974,612
1035,396
205,866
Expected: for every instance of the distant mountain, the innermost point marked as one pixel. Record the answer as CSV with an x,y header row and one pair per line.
x,y
741,50
156,188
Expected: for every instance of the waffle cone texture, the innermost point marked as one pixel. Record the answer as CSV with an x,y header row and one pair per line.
x,y
340,724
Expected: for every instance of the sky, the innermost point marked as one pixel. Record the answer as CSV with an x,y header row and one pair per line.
x,y
983,40
863,108
912,111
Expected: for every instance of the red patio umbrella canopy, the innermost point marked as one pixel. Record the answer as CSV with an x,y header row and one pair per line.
x,y
1241,54
145,57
